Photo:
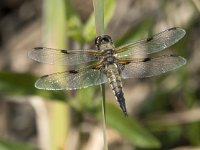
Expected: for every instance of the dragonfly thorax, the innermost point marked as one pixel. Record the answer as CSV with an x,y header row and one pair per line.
x,y
109,57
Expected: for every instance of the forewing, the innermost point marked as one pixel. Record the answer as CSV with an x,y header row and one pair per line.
x,y
149,67
71,80
152,44
62,57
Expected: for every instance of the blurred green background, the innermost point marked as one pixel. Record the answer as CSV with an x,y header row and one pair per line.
x,y
163,111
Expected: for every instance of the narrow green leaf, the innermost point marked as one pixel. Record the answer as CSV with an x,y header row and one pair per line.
x,y
98,6
20,84
109,8
54,23
99,26
8,145
57,35
129,128
89,32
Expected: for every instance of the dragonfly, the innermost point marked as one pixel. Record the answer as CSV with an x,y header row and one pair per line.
x,y
108,63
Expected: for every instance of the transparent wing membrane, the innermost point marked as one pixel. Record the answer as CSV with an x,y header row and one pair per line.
x,y
133,59
153,44
71,80
149,67
62,57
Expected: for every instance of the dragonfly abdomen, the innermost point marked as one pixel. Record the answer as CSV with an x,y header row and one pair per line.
x,y
116,85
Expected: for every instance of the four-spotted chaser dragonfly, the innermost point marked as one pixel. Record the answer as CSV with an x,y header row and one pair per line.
x,y
109,64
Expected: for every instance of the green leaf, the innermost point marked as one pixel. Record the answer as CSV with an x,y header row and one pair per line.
x,y
98,6
89,32
21,84
7,145
54,23
129,128
136,33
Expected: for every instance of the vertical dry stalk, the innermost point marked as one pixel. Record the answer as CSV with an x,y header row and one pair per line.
x,y
99,23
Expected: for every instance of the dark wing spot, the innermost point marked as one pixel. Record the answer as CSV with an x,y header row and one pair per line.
x,y
128,62
64,51
44,76
73,71
38,48
95,68
149,39
174,28
146,59
173,55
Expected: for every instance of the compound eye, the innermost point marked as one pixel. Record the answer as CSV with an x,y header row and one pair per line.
x,y
106,39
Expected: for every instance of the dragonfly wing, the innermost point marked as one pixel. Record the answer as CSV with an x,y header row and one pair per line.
x,y
153,44
71,80
62,57
149,67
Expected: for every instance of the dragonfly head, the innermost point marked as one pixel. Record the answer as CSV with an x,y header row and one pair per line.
x,y
103,42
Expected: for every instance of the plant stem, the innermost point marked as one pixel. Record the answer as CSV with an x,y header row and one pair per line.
x,y
99,23
99,16
54,26
104,116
